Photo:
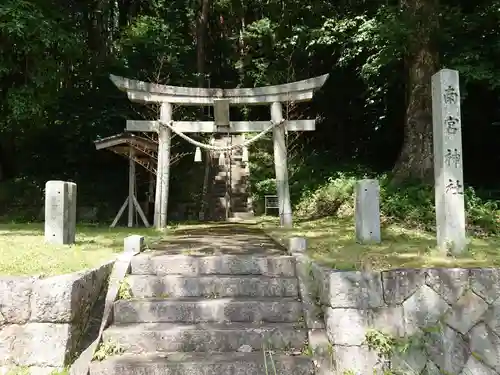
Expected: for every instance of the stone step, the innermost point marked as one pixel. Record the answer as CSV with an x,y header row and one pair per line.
x,y
145,286
227,337
234,193
201,310
241,204
238,168
203,364
236,176
154,263
234,167
235,188
221,176
240,208
234,196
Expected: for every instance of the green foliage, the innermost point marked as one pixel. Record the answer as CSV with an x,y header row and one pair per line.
x,y
19,370
107,349
23,199
25,370
31,73
387,346
326,199
64,371
381,342
124,290
377,36
269,367
482,214
412,203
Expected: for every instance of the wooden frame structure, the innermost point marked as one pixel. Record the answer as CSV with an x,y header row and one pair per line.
x,y
221,99
138,150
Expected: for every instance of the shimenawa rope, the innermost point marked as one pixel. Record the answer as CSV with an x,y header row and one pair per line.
x,y
169,124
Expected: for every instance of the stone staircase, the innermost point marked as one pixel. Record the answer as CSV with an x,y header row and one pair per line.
x,y
231,178
224,313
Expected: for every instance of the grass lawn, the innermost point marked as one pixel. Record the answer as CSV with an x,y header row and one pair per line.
x,y
23,250
331,242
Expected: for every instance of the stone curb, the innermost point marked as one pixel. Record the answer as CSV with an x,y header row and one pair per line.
x,y
319,343
133,245
454,312
54,310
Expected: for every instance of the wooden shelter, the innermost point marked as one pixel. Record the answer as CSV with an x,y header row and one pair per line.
x,y
138,150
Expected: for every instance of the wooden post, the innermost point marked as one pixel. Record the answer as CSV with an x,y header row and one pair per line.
x,y
163,170
159,171
280,164
151,192
448,162
131,187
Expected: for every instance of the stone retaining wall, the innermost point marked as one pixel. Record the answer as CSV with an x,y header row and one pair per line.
x,y
448,319
42,321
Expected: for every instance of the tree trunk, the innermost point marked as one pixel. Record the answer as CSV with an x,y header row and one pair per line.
x,y
201,38
241,44
416,159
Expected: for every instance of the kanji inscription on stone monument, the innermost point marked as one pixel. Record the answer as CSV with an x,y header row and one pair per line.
x,y
453,157
448,163
452,125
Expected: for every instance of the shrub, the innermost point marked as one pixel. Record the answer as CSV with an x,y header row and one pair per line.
x,y
327,199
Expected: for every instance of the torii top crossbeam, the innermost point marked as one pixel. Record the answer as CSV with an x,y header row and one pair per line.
x,y
139,91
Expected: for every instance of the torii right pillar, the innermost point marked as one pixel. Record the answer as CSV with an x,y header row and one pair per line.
x,y
281,166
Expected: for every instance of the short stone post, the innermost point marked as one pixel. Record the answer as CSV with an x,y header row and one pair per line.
x,y
133,244
448,165
297,245
60,212
367,211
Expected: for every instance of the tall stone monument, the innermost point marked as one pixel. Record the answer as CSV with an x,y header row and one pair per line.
x,y
448,162
60,212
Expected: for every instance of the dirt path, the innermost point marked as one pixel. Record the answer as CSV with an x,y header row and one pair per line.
x,y
223,238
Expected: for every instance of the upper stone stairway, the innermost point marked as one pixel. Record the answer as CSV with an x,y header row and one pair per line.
x,y
221,303
228,191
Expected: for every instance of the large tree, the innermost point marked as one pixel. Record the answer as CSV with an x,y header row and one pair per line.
x,y
421,62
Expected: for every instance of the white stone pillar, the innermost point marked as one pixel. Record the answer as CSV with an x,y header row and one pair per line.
x,y
163,170
367,211
448,162
281,167
60,212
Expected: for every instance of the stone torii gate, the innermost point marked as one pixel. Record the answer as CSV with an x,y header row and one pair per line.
x,y
221,99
